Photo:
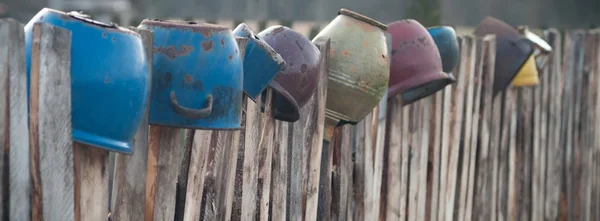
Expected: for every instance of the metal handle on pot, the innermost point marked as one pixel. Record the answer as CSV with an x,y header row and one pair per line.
x,y
190,112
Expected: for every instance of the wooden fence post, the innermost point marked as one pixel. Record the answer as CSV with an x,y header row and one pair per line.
x,y
51,151
129,182
14,132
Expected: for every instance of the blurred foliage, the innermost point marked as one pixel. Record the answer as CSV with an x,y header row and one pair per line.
x,y
427,12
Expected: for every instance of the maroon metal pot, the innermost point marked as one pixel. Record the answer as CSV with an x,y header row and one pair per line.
x,y
416,68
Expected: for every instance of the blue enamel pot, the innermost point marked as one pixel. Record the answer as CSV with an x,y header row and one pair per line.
x,y
261,62
197,76
110,83
447,44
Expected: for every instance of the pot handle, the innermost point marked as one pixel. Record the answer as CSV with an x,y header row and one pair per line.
x,y
190,112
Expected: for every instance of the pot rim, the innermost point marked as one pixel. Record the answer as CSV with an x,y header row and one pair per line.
x,y
205,28
85,18
362,18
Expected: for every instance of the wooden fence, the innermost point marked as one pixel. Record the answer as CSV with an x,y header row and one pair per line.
x,y
460,154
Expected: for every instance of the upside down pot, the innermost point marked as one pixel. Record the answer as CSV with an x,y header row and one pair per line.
x,y
297,82
541,48
109,79
416,69
512,51
197,76
447,44
359,67
261,62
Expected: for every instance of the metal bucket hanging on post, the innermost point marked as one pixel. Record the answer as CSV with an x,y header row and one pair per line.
x,y
359,67
261,62
512,51
447,44
109,79
197,76
416,68
297,82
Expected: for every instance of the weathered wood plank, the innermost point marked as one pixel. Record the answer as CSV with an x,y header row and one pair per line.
x,y
379,145
51,145
250,169
14,132
464,159
265,157
509,142
201,141
594,141
394,161
280,171
587,125
495,154
555,152
540,113
523,155
360,172
314,111
129,182
433,171
342,173
483,192
454,100
164,157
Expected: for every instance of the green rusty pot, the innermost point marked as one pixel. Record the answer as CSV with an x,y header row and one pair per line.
x,y
359,67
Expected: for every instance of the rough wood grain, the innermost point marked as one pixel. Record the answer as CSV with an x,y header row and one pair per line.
x,y
196,170
279,171
250,169
464,159
91,182
433,170
51,150
342,173
182,178
315,112
14,132
523,155
363,144
164,157
379,145
129,182
454,100
394,166
416,187
555,150
483,192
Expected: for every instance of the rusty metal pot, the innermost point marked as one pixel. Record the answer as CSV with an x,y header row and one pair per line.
x,y
197,75
447,43
416,69
297,83
512,51
359,67
261,62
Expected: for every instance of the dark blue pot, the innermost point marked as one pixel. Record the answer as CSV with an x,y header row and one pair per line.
x,y
109,79
261,62
197,76
447,43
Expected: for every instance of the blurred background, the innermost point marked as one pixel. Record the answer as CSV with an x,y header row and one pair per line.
x,y
460,13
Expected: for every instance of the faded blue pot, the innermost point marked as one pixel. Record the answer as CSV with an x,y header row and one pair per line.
x,y
197,76
109,79
447,44
261,62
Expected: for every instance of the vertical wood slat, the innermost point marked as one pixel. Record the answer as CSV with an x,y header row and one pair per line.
x,y
380,119
265,159
453,100
279,171
594,141
587,126
467,129
164,157
394,168
315,110
342,173
14,162
250,166
483,191
552,204
130,170
51,152
433,176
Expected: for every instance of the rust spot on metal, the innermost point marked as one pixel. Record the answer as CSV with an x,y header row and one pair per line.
x,y
345,53
230,57
171,51
114,39
222,42
236,51
331,51
189,78
207,45
277,30
104,35
303,68
382,56
365,43
299,46
106,80
422,40
205,28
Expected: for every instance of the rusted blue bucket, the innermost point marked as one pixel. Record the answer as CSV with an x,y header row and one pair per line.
x,y
197,76
261,62
109,79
